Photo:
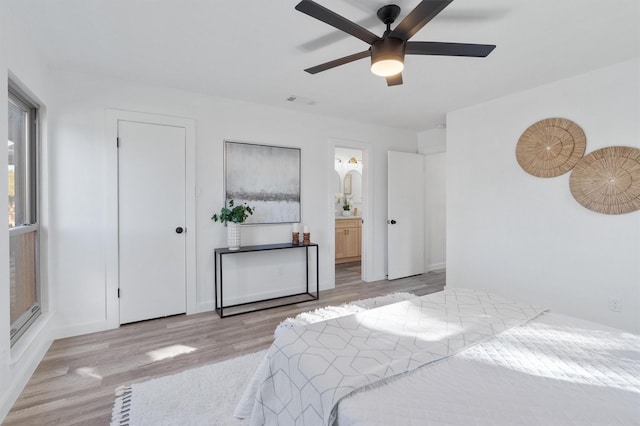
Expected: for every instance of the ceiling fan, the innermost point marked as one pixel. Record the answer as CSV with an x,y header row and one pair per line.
x,y
387,52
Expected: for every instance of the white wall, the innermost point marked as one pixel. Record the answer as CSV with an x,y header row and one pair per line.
x,y
523,236
432,141
20,60
433,145
78,182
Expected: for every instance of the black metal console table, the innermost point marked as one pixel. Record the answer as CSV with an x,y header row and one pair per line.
x,y
284,300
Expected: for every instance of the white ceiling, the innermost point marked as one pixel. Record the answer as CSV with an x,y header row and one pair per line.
x,y
256,50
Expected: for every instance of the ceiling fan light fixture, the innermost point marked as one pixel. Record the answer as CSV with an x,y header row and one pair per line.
x,y
387,67
387,57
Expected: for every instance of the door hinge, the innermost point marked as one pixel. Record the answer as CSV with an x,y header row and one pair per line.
x,y
117,142
118,293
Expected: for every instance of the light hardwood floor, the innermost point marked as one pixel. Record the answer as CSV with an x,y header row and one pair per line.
x,y
75,382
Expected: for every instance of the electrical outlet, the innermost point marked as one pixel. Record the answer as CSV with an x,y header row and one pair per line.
x,y
614,304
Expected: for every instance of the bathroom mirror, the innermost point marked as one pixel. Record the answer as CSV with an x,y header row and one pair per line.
x,y
347,185
338,186
353,182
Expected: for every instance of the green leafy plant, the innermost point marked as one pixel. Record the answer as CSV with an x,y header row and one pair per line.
x,y
236,214
346,203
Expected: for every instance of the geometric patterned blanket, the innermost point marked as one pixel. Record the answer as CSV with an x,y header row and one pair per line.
x,y
309,369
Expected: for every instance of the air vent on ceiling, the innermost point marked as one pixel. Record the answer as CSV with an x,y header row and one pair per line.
x,y
300,100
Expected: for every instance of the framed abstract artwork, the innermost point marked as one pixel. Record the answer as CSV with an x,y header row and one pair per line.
x,y
265,177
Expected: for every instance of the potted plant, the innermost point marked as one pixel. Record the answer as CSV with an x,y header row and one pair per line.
x,y
233,216
346,206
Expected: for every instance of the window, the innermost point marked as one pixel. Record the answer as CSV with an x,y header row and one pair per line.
x,y
23,212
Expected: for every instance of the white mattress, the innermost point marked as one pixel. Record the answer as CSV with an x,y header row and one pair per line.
x,y
555,370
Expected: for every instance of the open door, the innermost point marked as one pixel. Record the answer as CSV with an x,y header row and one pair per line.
x,y
405,220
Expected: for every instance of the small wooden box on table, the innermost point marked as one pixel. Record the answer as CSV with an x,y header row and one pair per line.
x,y
274,302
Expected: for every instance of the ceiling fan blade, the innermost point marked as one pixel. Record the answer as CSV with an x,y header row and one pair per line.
x,y
394,80
335,36
418,18
338,62
327,16
448,49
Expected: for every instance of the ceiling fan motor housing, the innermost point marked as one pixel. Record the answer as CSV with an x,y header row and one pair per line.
x,y
387,49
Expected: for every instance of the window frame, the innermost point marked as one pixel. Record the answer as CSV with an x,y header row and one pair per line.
x,y
32,201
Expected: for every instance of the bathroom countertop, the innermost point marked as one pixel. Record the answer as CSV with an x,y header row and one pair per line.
x,y
348,217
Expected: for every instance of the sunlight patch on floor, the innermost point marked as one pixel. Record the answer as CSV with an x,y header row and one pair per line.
x,y
88,372
169,352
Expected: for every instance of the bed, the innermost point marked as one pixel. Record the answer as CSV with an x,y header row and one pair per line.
x,y
457,357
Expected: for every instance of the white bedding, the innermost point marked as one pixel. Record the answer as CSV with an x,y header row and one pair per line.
x,y
554,370
309,369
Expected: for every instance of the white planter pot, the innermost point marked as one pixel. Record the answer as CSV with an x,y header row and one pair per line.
x,y
346,213
233,235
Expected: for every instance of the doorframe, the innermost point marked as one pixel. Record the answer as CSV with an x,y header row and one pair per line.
x,y
112,268
366,269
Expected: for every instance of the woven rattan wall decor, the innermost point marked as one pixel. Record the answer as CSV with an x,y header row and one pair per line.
x,y
550,147
608,180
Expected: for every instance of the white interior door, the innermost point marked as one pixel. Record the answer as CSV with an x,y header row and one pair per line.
x,y
405,222
151,208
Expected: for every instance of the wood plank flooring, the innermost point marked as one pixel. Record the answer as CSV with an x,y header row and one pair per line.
x,y
75,382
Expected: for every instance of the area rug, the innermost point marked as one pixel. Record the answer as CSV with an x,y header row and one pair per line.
x,y
208,395
200,396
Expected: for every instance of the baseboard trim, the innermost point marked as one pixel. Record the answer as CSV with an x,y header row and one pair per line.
x,y
25,361
256,297
436,266
62,332
379,277
209,305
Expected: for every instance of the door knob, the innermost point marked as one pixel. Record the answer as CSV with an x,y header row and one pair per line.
x,y
179,230
392,221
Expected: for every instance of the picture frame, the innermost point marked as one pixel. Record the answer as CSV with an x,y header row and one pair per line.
x,y
266,177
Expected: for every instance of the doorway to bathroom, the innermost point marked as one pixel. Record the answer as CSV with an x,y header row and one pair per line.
x,y
349,211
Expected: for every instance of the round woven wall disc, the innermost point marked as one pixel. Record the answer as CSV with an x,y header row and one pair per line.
x,y
608,180
550,147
